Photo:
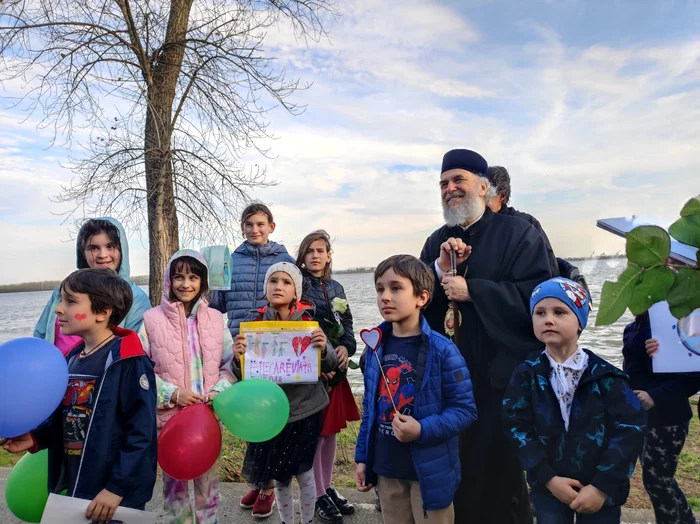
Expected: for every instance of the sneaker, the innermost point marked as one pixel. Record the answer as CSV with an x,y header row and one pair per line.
x,y
340,502
249,498
326,510
263,505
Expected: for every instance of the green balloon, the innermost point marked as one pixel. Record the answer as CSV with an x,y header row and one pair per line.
x,y
27,489
255,410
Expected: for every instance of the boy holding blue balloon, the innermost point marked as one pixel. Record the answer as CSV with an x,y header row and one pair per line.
x,y
102,437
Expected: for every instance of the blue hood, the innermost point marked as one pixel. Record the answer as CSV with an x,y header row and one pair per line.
x,y
125,266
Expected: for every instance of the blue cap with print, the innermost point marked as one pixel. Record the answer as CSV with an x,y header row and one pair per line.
x,y
571,293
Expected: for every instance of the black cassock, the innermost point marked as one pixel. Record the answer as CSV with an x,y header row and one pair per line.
x,y
507,210
508,260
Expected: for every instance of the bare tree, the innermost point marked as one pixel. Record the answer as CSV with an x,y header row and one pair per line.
x,y
163,96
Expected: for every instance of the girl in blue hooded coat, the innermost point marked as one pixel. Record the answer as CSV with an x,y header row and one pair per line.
x,y
576,424
101,243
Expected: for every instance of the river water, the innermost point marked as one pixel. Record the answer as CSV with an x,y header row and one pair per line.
x,y
20,311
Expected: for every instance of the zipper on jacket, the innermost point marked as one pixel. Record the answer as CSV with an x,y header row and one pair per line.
x,y
94,410
257,272
329,311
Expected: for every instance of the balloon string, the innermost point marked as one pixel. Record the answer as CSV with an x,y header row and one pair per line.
x,y
386,381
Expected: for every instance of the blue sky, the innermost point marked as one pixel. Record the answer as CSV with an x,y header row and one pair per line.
x,y
592,106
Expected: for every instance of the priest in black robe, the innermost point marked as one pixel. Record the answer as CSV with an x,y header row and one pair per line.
x,y
500,260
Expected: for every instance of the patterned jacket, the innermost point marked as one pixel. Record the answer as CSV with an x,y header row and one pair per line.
x,y
606,427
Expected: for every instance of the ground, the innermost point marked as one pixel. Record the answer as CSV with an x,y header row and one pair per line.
x,y
233,452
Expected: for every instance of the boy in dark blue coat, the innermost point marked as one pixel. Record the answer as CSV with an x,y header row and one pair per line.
x,y
415,404
576,424
102,437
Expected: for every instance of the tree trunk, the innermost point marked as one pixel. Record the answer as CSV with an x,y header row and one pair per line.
x,y
162,215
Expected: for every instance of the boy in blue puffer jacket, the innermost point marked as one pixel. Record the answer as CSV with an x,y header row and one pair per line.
x,y
415,404
249,263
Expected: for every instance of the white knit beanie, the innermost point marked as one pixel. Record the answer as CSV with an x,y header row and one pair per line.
x,y
291,270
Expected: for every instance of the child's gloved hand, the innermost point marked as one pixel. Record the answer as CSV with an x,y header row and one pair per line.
x,y
406,428
318,339
19,444
652,346
103,506
360,473
240,345
563,488
589,500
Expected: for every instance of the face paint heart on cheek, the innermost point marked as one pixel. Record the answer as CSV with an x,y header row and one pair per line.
x,y
80,316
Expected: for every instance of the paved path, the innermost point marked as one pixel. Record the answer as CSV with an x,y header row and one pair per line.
x,y
230,512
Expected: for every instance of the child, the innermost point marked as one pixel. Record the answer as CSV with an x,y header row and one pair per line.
x,y
102,438
665,398
101,243
249,262
291,453
576,424
415,405
333,314
192,351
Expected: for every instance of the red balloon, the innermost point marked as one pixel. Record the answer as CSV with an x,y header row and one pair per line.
x,y
189,443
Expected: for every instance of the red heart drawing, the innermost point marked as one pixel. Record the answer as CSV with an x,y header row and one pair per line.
x,y
371,337
296,343
304,344
80,316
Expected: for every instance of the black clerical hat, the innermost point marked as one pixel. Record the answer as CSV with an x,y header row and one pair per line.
x,y
465,159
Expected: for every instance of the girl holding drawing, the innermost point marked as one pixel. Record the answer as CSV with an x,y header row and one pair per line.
x,y
665,398
291,453
335,318
192,351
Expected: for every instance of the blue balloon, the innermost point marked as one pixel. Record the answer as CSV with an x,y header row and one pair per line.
x,y
33,381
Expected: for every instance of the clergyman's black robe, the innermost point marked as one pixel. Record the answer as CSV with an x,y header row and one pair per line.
x,y
508,260
553,263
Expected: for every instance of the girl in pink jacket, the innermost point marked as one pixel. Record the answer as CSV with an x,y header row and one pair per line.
x,y
192,351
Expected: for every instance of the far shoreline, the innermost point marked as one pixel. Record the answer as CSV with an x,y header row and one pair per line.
x,y
142,280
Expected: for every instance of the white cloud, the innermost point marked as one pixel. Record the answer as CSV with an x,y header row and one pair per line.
x,y
586,132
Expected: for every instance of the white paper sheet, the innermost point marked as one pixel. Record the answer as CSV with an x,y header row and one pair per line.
x,y
69,510
679,340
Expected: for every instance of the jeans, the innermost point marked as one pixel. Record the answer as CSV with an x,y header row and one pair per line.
x,y
549,510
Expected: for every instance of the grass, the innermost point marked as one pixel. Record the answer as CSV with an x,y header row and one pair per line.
x,y
233,452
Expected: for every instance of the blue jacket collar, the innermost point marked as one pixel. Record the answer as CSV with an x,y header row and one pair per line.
x,y
425,330
269,249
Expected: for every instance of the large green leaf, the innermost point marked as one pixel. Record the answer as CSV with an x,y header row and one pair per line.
x,y
648,245
691,207
684,296
616,296
687,230
653,287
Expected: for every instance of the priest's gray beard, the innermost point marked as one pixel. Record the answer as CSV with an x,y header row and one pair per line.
x,y
464,212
